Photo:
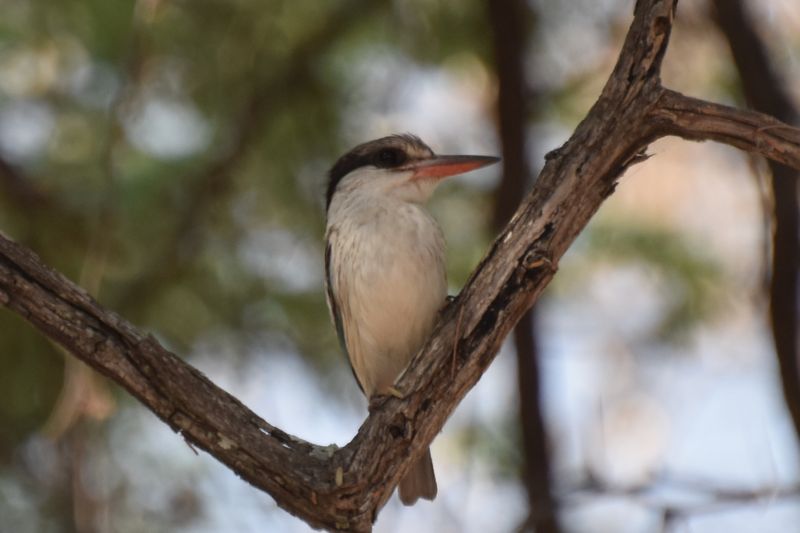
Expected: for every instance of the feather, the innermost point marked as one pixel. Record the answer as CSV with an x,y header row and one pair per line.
x,y
333,306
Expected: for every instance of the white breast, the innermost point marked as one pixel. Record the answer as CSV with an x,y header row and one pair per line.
x,y
388,277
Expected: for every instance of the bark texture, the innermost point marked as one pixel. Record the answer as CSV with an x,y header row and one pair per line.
x,y
345,488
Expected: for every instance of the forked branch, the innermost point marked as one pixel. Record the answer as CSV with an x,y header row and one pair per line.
x,y
345,488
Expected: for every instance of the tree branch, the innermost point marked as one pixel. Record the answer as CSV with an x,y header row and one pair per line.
x,y
751,131
765,92
711,497
180,395
345,488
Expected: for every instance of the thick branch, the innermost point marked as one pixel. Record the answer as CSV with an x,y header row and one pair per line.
x,y
345,488
180,395
515,271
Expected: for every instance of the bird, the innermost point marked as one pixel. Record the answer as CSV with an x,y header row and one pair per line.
x,y
385,278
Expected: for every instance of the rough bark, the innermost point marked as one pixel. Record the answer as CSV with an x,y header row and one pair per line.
x,y
510,20
345,488
764,91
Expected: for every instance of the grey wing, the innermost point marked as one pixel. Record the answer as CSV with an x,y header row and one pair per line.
x,y
333,305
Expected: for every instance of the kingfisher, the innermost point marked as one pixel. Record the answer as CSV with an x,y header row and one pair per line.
x,y
385,278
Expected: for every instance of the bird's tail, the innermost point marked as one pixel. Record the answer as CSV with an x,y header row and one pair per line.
x,y
419,482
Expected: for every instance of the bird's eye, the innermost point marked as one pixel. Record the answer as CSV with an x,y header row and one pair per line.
x,y
390,158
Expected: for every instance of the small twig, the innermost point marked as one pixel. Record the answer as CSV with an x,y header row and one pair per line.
x,y
717,498
189,444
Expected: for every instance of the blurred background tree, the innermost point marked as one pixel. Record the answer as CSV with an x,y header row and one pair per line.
x,y
171,158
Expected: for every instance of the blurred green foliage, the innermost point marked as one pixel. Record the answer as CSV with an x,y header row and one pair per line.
x,y
692,280
211,232
213,229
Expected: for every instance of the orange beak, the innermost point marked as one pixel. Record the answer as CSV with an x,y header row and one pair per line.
x,y
441,166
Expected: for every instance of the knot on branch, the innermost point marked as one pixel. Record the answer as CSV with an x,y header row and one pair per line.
x,y
397,431
535,259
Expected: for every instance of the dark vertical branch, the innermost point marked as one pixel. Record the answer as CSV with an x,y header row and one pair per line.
x,y
764,92
508,19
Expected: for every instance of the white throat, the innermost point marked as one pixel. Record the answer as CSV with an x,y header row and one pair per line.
x,y
388,271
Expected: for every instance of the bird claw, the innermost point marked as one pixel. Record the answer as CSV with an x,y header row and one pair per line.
x,y
378,399
396,393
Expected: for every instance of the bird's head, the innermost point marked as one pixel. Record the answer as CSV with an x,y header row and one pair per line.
x,y
401,166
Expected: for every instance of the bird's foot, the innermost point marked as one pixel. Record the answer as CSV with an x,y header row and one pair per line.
x,y
378,399
395,392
